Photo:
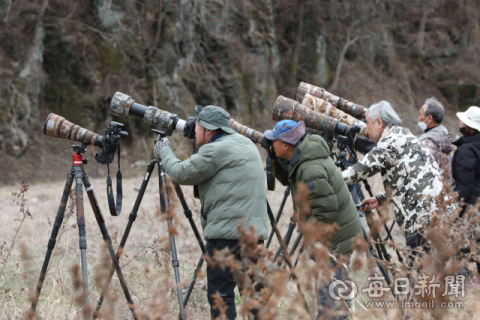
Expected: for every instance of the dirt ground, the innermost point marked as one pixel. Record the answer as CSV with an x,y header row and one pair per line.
x,y
146,262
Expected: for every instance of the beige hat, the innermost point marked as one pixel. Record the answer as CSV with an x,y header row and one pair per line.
x,y
471,117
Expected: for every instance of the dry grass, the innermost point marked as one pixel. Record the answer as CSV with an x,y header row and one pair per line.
x,y
146,262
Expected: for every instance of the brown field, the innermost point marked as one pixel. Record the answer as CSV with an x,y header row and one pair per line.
x,y
146,262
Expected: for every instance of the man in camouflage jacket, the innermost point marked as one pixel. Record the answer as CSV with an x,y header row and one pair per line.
x,y
410,175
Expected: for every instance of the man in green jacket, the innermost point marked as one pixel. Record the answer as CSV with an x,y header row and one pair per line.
x,y
306,158
228,171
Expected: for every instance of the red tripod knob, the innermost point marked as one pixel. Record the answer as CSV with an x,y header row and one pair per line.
x,y
77,159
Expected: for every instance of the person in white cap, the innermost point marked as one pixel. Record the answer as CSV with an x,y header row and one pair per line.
x,y
466,166
466,159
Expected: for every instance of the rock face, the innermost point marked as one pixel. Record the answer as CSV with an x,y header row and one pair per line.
x,y
240,55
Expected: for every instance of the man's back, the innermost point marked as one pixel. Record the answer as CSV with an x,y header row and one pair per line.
x,y
236,191
329,195
230,178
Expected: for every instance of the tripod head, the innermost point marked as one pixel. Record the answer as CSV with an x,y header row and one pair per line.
x,y
161,134
111,142
79,149
347,144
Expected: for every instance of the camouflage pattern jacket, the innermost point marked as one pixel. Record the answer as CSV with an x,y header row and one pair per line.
x,y
439,142
410,176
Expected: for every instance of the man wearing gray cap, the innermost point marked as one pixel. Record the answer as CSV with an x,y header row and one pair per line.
x,y
228,171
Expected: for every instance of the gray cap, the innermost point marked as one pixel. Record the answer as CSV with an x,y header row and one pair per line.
x,y
213,118
287,131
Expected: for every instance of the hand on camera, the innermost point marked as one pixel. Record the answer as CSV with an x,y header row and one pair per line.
x,y
160,145
369,204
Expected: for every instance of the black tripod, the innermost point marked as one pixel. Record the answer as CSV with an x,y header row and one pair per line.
x,y
78,173
164,203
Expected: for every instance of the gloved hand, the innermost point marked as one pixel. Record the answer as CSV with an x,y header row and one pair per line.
x,y
161,145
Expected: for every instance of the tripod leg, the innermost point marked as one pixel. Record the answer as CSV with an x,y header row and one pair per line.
x,y
279,214
286,257
188,214
131,219
288,236
374,254
294,248
298,257
175,262
108,242
82,233
192,284
388,230
53,238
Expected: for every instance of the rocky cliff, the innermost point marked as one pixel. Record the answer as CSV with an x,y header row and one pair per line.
x,y
70,57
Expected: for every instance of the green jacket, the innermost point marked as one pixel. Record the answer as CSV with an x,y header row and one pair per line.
x,y
329,195
231,183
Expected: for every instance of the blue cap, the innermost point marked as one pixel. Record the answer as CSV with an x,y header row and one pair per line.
x,y
287,131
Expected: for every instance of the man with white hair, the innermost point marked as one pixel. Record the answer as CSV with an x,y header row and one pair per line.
x,y
410,174
436,137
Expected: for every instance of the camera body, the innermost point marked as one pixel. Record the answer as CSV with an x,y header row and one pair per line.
x,y
111,142
189,129
266,143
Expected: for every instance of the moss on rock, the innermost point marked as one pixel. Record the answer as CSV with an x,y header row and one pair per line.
x,y
67,100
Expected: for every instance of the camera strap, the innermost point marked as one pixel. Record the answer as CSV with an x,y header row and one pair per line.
x,y
115,210
270,170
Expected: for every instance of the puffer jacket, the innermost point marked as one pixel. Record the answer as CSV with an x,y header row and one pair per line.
x,y
466,168
439,142
231,182
329,195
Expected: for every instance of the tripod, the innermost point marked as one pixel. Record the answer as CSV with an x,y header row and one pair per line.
x,y
78,173
164,204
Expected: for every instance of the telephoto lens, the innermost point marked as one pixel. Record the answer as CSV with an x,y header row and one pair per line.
x,y
57,127
255,136
326,108
123,105
351,108
285,108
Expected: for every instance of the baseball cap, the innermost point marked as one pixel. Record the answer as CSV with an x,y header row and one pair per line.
x,y
287,131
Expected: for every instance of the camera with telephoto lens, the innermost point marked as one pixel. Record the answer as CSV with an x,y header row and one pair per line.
x,y
111,142
123,105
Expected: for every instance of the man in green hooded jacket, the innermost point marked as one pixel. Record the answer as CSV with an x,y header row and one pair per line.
x,y
228,171
306,158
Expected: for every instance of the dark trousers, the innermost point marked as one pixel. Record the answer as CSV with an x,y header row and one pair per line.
x,y
222,281
414,241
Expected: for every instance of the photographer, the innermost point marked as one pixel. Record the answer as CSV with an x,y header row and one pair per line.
x,y
436,137
466,166
229,173
466,159
306,158
409,172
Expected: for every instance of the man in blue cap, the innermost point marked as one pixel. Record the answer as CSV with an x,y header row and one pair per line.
x,y
228,171
302,158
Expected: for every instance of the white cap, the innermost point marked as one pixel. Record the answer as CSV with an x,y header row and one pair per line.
x,y
471,117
